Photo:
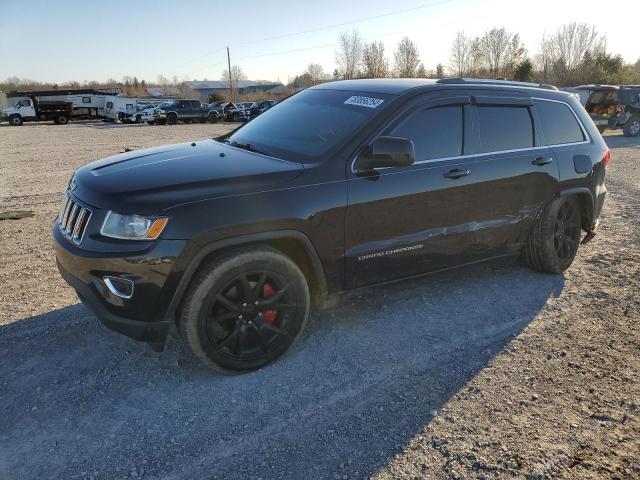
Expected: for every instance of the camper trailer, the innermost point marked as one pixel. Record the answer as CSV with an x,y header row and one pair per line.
x,y
117,108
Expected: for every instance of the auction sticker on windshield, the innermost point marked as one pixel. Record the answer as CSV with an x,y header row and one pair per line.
x,y
368,102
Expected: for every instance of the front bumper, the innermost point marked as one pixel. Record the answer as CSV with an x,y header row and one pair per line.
x,y
155,273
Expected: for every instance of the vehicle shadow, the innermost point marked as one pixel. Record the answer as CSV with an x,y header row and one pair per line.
x,y
365,378
620,141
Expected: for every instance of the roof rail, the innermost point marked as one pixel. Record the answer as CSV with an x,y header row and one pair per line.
x,y
486,81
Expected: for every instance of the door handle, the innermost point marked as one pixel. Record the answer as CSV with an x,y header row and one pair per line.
x,y
455,173
542,161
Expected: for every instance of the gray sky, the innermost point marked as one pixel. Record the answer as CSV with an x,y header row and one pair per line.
x,y
74,40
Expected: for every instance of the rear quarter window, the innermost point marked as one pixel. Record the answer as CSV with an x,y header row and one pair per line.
x,y
505,128
558,123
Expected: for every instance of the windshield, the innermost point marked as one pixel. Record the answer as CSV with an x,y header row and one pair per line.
x,y
306,126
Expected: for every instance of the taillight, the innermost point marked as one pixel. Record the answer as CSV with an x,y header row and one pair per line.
x,y
607,157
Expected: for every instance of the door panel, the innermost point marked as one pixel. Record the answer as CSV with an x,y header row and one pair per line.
x,y
407,222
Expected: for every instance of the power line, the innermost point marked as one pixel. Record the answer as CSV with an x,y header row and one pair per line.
x,y
326,27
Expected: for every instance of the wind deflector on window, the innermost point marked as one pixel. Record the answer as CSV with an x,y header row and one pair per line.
x,y
506,101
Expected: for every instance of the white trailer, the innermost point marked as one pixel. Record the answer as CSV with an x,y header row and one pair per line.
x,y
117,107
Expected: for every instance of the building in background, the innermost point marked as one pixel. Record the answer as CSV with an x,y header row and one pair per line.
x,y
204,88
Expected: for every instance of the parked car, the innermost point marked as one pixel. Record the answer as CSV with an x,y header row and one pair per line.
x,y
229,240
616,107
186,111
260,107
240,112
142,113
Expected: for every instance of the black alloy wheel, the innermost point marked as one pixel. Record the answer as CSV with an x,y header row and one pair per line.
x,y
244,309
249,318
566,232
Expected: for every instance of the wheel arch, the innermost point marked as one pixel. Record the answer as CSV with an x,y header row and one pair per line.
x,y
292,243
586,200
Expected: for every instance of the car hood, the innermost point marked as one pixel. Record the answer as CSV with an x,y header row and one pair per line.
x,y
151,180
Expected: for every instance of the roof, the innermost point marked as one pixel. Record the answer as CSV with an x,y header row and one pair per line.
x,y
401,85
377,85
162,91
223,84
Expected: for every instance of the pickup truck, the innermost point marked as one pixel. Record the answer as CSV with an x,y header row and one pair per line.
x,y
186,111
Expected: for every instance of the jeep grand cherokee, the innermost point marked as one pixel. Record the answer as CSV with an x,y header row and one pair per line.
x,y
342,185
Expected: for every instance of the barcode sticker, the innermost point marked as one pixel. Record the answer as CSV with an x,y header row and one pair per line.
x,y
368,102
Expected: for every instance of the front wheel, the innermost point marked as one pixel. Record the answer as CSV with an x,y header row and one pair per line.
x,y
553,242
244,309
62,120
632,127
15,120
213,118
172,120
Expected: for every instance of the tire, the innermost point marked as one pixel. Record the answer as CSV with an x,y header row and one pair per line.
x,y
172,119
225,320
62,120
553,242
212,118
632,127
15,120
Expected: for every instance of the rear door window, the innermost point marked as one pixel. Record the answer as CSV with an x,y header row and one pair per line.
x,y
559,124
435,132
505,128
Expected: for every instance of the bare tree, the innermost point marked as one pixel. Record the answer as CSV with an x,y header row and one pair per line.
x,y
236,75
407,59
316,73
349,54
461,61
375,63
568,47
501,51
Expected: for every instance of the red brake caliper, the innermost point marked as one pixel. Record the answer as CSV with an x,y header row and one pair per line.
x,y
269,316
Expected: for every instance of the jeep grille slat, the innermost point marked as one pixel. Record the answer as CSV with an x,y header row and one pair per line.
x,y
74,219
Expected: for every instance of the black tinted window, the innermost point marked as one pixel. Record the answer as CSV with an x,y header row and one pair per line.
x,y
308,124
436,132
505,128
559,124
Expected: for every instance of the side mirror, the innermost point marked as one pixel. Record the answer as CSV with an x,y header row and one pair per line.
x,y
387,152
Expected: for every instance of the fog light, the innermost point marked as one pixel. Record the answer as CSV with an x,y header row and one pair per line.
x,y
120,287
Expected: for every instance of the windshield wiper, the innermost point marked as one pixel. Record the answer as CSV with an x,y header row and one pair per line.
x,y
246,146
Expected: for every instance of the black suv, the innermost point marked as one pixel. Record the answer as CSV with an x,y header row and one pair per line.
x,y
342,185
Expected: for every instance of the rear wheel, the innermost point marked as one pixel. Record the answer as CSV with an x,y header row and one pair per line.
x,y
553,242
244,309
632,127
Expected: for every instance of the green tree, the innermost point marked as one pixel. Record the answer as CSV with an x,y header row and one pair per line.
x,y
524,71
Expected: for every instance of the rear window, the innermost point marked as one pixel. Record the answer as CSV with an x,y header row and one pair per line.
x,y
435,132
604,97
505,128
559,124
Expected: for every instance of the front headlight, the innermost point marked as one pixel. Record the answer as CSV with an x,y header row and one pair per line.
x,y
132,227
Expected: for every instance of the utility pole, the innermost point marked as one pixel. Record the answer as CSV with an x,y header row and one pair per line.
x,y
230,84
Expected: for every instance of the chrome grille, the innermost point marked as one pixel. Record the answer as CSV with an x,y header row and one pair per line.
x,y
73,219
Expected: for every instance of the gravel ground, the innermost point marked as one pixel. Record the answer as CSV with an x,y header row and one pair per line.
x,y
488,372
